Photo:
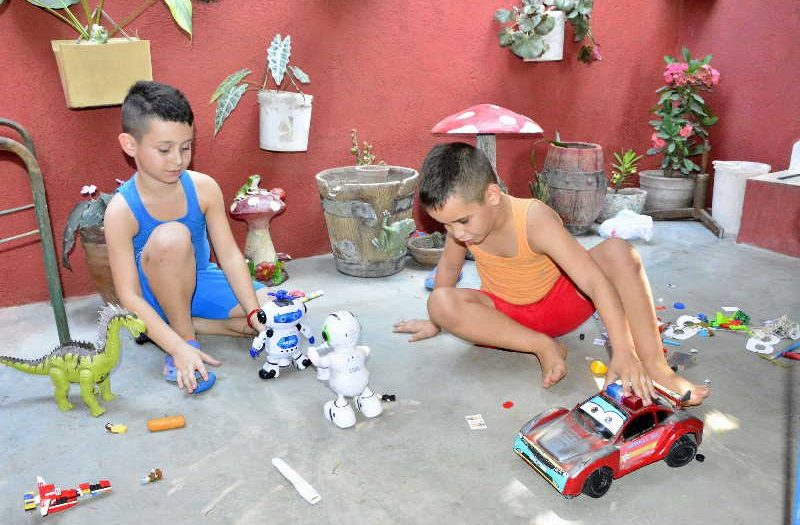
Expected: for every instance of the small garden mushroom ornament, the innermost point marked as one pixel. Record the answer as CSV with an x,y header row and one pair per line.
x,y
485,122
257,206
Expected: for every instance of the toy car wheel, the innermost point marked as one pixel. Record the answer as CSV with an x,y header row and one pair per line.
x,y
598,482
682,452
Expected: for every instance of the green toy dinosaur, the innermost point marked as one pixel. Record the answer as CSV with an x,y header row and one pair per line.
x,y
84,363
392,238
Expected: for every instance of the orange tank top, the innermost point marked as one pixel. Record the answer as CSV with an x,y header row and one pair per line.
x,y
524,278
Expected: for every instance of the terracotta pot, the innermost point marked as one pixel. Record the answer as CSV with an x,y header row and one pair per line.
x,y
96,252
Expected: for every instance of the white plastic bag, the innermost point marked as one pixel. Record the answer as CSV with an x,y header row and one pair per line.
x,y
628,225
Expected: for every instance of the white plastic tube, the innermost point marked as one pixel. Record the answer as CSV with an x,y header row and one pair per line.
x,y
306,491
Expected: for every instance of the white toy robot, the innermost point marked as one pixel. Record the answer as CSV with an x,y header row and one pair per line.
x,y
346,371
281,339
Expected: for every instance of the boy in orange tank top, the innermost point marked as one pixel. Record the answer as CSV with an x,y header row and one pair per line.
x,y
538,282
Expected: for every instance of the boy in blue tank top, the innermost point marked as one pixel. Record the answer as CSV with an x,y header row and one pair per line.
x,y
158,228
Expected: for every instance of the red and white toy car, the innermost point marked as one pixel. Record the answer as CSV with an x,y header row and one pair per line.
x,y
607,436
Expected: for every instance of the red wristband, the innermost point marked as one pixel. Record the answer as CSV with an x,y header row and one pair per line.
x,y
253,311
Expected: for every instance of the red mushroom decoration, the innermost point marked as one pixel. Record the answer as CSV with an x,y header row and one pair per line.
x,y
485,122
257,207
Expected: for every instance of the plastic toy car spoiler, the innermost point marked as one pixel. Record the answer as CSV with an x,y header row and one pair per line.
x,y
670,396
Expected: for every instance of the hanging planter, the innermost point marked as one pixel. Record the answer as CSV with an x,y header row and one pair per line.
x,y
553,42
95,74
285,116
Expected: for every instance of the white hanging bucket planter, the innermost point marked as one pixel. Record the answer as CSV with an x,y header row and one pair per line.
x,y
285,120
554,39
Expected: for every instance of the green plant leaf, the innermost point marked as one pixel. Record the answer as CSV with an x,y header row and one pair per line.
x,y
73,223
545,26
229,82
686,56
502,15
278,55
300,75
709,121
53,4
182,13
506,38
226,103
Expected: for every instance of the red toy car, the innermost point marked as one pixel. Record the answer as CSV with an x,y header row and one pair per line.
x,y
606,437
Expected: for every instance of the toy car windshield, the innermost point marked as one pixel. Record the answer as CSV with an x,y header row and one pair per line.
x,y
600,416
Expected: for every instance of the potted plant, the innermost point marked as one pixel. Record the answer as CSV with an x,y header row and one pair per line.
x,y
680,132
426,249
285,116
534,31
86,220
621,197
367,211
97,70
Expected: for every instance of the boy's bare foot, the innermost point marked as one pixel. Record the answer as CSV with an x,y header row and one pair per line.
x,y
661,373
551,359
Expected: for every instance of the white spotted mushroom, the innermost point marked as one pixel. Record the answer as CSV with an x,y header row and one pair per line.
x,y
485,122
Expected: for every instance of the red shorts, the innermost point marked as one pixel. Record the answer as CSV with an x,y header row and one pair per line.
x,y
562,310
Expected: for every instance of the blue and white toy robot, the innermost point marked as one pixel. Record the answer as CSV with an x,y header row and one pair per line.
x,y
281,339
344,367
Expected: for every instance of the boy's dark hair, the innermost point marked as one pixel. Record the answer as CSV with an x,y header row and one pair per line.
x,y
146,100
454,167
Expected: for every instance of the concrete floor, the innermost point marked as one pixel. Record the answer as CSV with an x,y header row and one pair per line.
x,y
419,462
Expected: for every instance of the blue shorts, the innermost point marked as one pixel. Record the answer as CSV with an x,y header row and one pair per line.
x,y
213,297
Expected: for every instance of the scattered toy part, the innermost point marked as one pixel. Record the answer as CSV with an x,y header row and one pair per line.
x,y
154,475
508,404
165,423
303,487
476,422
116,429
388,397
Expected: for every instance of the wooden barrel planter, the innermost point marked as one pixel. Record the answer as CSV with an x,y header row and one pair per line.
x,y
93,241
359,203
575,177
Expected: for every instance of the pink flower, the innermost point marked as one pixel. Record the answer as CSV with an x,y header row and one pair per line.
x,y
89,190
596,52
675,73
657,141
686,131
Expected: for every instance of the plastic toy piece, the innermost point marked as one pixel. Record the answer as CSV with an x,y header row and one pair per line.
x,y
165,423
606,437
51,499
281,339
116,429
598,368
87,364
347,372
508,404
154,475
303,487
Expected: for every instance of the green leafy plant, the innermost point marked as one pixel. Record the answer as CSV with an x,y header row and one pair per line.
x,y
363,154
90,28
230,91
528,24
683,115
86,215
627,165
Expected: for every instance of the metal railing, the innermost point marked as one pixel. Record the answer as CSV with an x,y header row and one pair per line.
x,y
27,154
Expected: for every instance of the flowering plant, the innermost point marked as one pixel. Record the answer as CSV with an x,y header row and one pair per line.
x,y
680,131
86,215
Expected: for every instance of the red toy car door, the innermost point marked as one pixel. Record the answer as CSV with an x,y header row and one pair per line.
x,y
638,442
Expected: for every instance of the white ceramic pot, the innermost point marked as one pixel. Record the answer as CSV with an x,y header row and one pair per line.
x,y
554,39
285,120
625,199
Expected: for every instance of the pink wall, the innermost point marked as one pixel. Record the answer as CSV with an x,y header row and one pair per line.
x,y
389,69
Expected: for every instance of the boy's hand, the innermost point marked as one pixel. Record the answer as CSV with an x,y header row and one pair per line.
x,y
187,360
421,328
627,368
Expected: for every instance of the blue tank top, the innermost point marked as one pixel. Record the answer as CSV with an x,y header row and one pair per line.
x,y
194,220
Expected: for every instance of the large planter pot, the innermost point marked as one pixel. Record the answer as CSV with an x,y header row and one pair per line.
x,y
94,246
575,177
101,74
624,199
285,120
364,206
666,193
554,39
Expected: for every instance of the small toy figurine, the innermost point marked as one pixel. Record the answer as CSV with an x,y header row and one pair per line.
x,y
152,476
84,363
282,318
52,499
347,373
606,437
116,429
